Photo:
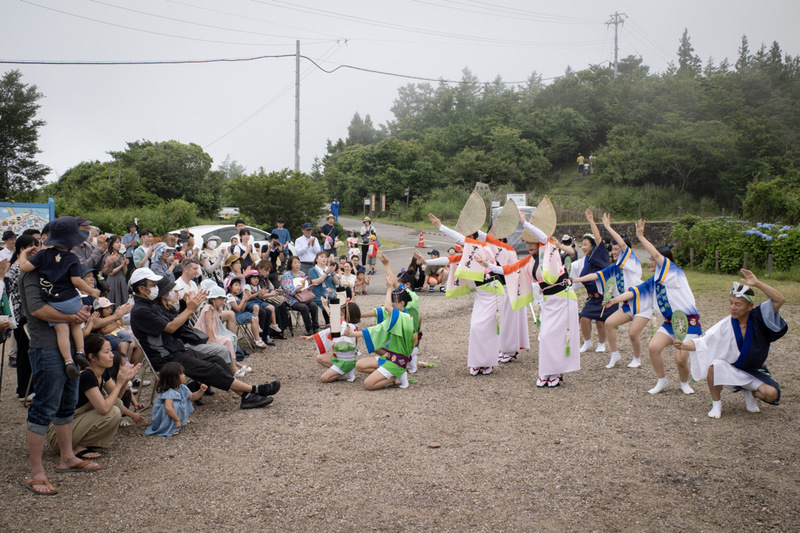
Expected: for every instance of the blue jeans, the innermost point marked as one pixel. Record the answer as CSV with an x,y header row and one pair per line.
x,y
56,394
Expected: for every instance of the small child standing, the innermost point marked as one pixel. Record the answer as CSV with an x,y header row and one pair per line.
x,y
352,246
60,278
173,404
342,361
361,284
372,254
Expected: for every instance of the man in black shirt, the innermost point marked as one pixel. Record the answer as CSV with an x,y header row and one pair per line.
x,y
155,329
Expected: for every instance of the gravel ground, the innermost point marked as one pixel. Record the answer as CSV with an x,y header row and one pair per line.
x,y
452,452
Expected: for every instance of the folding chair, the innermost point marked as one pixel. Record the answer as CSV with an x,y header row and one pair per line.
x,y
244,333
296,320
146,370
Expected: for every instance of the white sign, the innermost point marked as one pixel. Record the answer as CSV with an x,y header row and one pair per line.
x,y
366,201
520,199
495,203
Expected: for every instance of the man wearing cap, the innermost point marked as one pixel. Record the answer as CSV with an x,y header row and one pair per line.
x,y
10,240
130,241
365,232
155,328
89,254
164,262
435,275
306,247
56,394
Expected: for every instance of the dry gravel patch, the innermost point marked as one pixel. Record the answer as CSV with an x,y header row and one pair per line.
x,y
452,452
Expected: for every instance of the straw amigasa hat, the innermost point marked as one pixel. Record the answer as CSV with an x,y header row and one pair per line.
x,y
506,221
472,216
544,218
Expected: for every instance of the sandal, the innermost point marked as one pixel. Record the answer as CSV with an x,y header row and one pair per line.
x,y
29,483
125,422
86,451
82,466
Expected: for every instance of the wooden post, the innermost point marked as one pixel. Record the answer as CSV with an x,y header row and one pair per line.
x,y
716,261
691,257
769,264
746,257
679,212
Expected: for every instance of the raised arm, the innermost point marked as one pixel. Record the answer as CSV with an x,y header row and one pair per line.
x,y
595,231
614,235
533,229
652,250
771,293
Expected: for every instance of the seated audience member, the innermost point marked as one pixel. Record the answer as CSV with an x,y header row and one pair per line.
x,y
246,249
156,328
271,283
435,275
99,408
89,254
143,254
294,280
164,262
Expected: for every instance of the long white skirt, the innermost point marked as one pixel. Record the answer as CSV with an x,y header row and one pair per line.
x,y
558,314
513,328
484,342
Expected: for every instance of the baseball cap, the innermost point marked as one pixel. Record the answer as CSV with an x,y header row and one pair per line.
x,y
306,225
434,252
141,274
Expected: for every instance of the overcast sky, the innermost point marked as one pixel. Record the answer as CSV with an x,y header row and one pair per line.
x,y
246,109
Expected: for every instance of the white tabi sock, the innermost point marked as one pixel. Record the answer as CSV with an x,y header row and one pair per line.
x,y
587,345
412,366
750,402
351,376
661,384
716,409
635,363
615,357
404,380
686,388
601,347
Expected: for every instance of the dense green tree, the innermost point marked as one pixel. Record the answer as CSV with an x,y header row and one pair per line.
x,y
688,62
264,197
19,133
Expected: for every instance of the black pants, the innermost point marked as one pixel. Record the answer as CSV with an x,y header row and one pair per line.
x,y
309,312
23,361
364,249
208,369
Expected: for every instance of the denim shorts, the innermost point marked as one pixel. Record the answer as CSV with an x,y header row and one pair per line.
x,y
56,394
68,307
119,337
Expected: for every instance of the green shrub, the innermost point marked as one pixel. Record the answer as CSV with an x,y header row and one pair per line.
x,y
732,238
166,217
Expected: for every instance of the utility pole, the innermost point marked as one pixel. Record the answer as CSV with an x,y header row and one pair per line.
x,y
297,108
616,19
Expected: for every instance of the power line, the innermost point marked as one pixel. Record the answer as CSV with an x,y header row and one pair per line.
x,y
495,10
151,32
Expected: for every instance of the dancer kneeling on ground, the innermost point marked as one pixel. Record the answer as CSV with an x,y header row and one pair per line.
x,y
734,351
670,291
155,329
624,273
392,339
338,355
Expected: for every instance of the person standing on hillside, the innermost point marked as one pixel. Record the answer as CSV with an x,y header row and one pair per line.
x,y
580,164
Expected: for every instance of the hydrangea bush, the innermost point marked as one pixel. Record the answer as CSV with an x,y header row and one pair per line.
x,y
733,238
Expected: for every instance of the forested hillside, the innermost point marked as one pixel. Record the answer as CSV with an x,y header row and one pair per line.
x,y
701,133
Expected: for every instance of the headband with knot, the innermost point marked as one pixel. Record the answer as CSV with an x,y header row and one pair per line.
x,y
739,291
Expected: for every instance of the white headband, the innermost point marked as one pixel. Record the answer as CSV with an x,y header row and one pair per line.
x,y
740,290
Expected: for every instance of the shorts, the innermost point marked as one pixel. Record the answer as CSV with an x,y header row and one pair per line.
x,y
433,280
689,336
371,260
118,338
342,367
644,314
68,307
763,375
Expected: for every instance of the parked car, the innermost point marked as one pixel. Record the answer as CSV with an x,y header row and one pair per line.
x,y
514,239
224,232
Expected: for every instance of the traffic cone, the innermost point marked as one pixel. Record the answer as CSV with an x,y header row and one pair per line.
x,y
458,248
421,243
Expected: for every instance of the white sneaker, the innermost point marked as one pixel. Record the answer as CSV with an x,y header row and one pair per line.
x,y
404,380
601,347
635,363
260,344
750,402
686,388
716,409
239,373
351,376
541,382
615,357
587,345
